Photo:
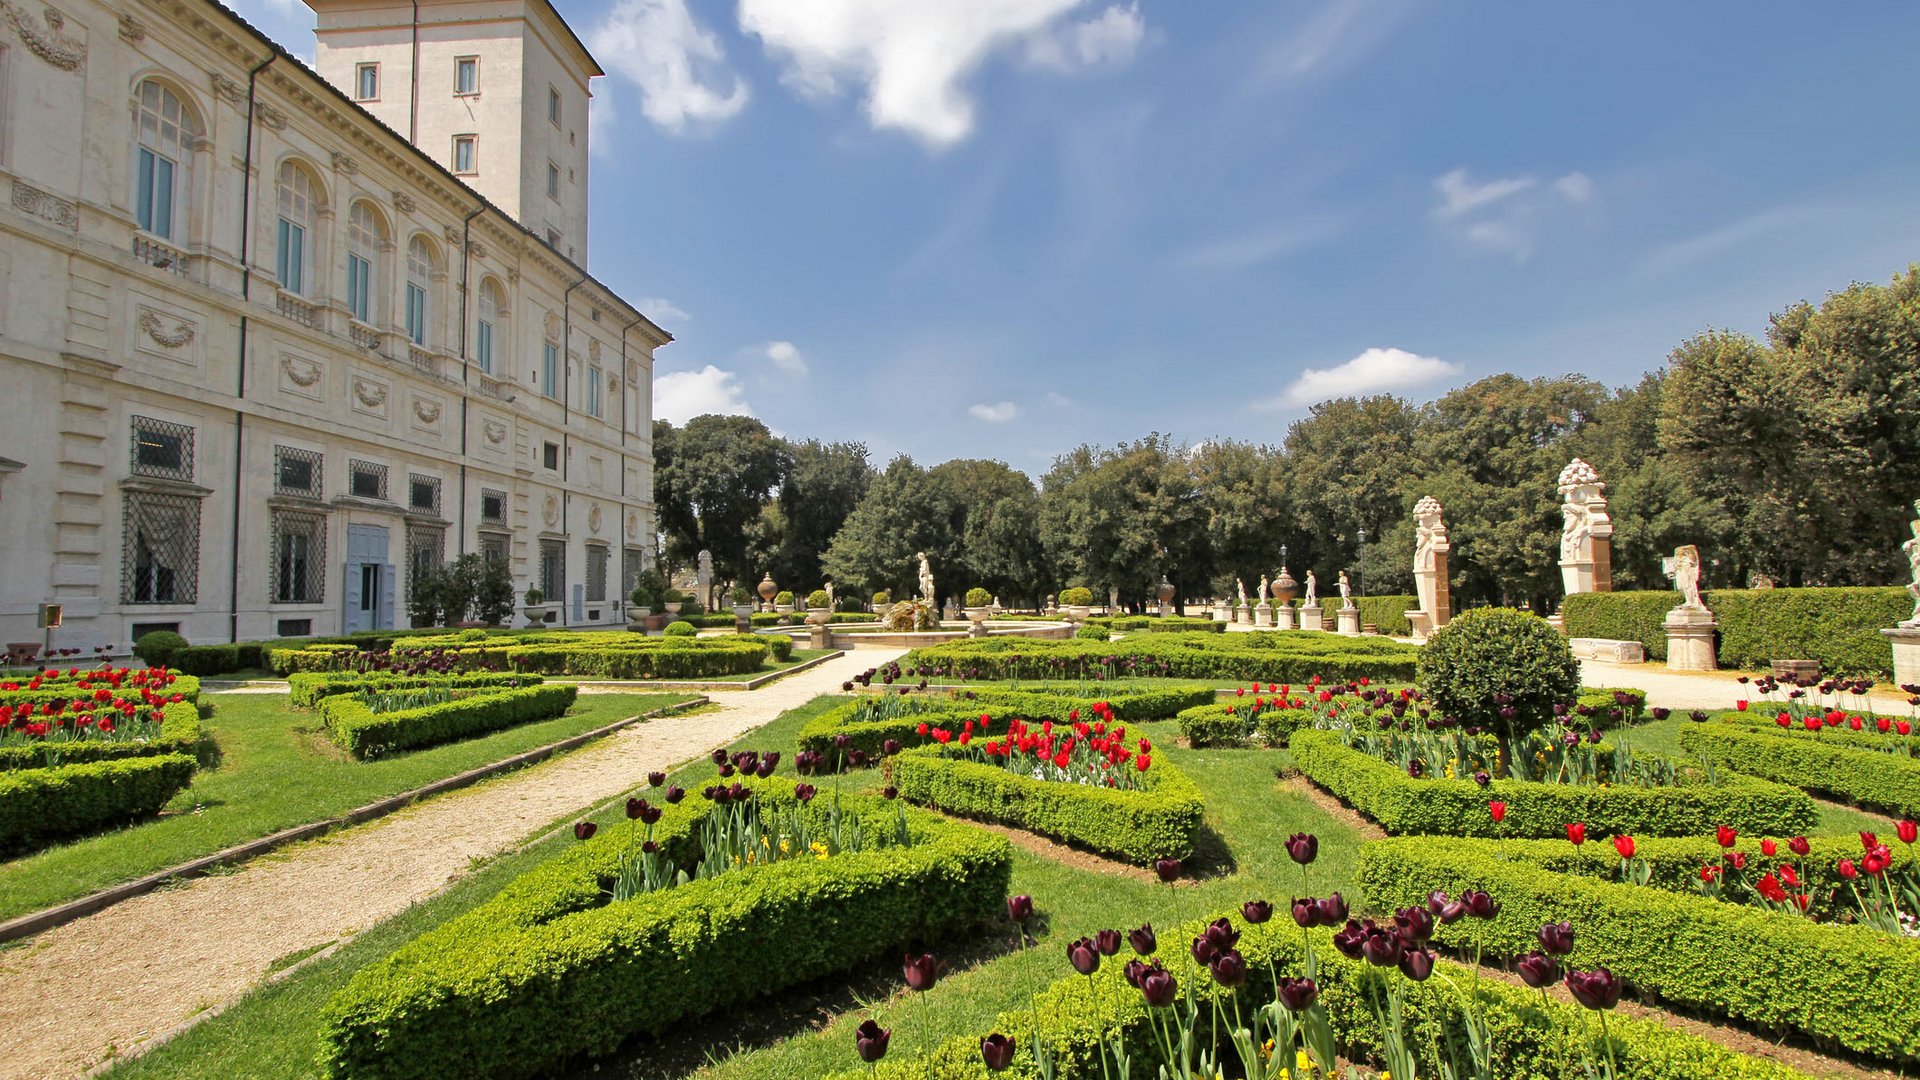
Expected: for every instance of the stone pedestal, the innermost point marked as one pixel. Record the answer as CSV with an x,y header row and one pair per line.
x,y
1166,609
1311,618
1347,620
1283,616
1906,653
1262,615
1422,624
819,637
1245,615
1690,639
1222,612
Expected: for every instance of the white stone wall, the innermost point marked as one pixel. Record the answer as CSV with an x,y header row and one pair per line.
x,y
94,332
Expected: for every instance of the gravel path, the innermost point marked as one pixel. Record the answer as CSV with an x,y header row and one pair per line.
x,y
84,992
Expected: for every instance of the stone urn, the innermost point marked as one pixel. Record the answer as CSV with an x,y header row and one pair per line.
x,y
819,616
1166,591
1077,612
538,614
637,616
1285,589
768,590
673,607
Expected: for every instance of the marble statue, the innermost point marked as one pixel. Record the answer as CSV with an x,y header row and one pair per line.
x,y
1265,589
926,580
829,587
1684,569
1430,548
1586,531
703,573
1912,548
1313,591
1240,587
1346,591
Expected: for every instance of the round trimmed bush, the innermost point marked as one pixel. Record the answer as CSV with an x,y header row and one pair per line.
x,y
157,647
979,598
1488,660
680,628
784,596
1079,596
817,598
1092,632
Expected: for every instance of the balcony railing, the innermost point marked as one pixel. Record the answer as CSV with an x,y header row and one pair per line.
x,y
298,310
363,335
423,361
156,254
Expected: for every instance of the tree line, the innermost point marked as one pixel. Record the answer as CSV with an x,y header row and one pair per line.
x,y
1792,459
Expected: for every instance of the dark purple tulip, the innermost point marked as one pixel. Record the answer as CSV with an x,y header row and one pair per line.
x,y
584,830
1480,903
890,792
675,794
1451,912
1158,987
857,759
649,814
841,742
738,792
1350,940
997,1050
726,770
1229,969
1134,972
766,768
1019,908
1297,994
771,756
1332,911
1596,989
1557,938
1203,951
1538,970
1302,847
1593,736
1143,940
921,971
649,846
1222,934
1167,869
1661,712
1416,964
1381,947
871,1041
1084,956
1107,941
1482,777
1414,923
719,757
803,792
1306,913
655,779
847,687
890,748
634,807
1256,911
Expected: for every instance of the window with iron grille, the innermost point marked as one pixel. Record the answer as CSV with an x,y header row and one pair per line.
x,y
553,570
367,480
162,449
160,548
596,573
425,548
632,561
495,547
424,493
493,506
298,472
299,557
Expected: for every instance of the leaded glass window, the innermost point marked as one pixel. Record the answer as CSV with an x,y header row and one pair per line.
x,y
160,548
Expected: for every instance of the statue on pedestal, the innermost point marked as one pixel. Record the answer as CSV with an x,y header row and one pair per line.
x,y
1912,548
1240,587
1265,589
926,580
829,587
1313,591
1430,548
1346,592
1586,532
1684,569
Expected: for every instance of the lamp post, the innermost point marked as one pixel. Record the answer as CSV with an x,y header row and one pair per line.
x,y
1359,560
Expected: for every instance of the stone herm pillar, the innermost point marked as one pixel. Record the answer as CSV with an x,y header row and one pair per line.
x,y
1690,639
1310,618
1347,620
1586,534
1430,548
1262,615
1906,654
1283,617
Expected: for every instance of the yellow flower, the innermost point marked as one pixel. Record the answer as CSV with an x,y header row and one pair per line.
x,y
819,849
1301,1061
786,846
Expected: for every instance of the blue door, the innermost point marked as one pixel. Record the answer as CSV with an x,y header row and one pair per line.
x,y
370,579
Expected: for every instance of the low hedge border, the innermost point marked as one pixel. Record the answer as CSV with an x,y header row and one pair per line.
x,y
219,659
1839,627
610,656
1832,734
1868,778
1224,724
550,971
1189,656
1535,1039
187,686
179,734
1154,624
1139,826
870,736
1403,805
39,806
365,733
1842,985
307,689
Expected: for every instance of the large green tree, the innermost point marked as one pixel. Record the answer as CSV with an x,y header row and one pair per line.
x,y
906,511
1121,518
994,511
1346,466
710,480
822,485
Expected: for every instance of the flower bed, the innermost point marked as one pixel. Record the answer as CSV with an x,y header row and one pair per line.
x,y
611,655
136,684
307,689
1846,986
1289,657
1888,734
1864,777
550,970
365,733
43,805
1158,819
34,742
870,722
1271,717
1403,804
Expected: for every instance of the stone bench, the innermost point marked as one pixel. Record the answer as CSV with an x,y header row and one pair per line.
x,y
1609,650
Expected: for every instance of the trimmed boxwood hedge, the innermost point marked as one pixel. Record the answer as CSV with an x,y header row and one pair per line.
x,y
1293,656
307,689
870,736
549,970
179,734
594,655
1839,627
1139,826
187,686
1388,613
1225,724
1403,805
1844,985
1536,1040
365,733
219,659
1152,624
1869,778
39,806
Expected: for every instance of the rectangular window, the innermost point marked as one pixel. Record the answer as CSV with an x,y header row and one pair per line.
x,y
483,346
466,156
553,571
553,180
366,480
297,472
366,82
292,257
417,314
293,628
632,561
595,377
550,456
550,370
162,449
425,547
553,106
466,75
493,547
493,506
153,199
299,557
360,288
596,573
160,548
424,493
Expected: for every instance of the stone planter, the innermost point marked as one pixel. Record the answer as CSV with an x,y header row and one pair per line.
x,y
743,618
538,614
977,618
783,609
1077,612
637,617
673,609
819,616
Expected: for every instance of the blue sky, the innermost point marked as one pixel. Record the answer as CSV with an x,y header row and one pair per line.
x,y
1005,227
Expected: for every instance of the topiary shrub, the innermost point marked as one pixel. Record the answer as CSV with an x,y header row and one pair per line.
x,y
977,597
679,628
783,597
882,598
1078,596
1499,669
818,598
1092,632
157,648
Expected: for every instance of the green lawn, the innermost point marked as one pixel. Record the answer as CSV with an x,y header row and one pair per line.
x,y
270,767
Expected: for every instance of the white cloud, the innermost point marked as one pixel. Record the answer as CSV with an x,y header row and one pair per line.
x,y
1460,196
998,413
678,64
1508,236
1059,400
912,58
660,308
1248,249
1575,187
680,396
786,356
1374,371
1714,243
1111,37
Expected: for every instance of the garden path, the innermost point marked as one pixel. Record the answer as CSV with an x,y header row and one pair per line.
x,y
1697,689
109,984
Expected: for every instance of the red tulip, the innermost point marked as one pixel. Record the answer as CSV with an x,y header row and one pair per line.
x,y
1498,810
1624,845
1847,870
1577,832
1908,830
1799,846
1142,762
1726,836
1769,848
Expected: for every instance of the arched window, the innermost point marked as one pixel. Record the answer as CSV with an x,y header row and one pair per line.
x,y
419,279
492,307
300,201
165,131
366,239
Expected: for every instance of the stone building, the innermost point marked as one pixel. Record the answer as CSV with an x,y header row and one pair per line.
x,y
274,340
